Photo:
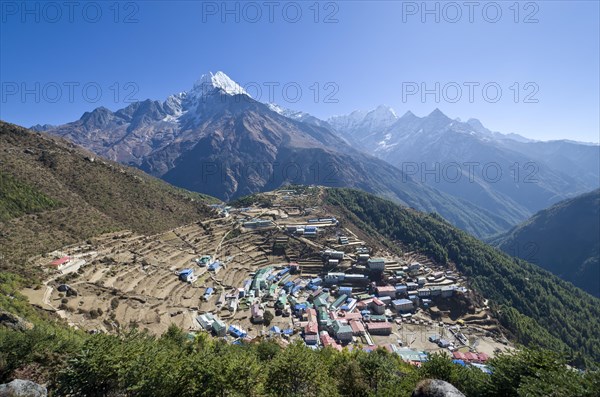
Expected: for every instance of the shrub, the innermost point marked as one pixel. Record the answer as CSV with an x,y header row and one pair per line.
x,y
268,317
114,303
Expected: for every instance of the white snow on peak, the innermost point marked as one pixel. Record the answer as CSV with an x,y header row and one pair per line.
x,y
174,107
289,113
276,108
383,110
382,114
209,82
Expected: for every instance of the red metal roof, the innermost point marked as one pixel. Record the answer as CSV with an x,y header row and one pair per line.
x,y
327,340
357,327
483,357
379,325
471,356
458,355
311,328
60,261
378,302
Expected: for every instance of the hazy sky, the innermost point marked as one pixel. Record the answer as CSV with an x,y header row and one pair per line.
x,y
530,68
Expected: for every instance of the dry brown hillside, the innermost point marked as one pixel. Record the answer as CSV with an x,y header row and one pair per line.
x,y
53,193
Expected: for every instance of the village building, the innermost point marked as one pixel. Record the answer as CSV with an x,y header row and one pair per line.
x,y
386,290
328,341
379,328
358,328
60,263
377,306
403,305
376,264
343,332
257,313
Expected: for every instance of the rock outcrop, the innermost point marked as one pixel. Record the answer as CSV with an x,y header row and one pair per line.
x,y
22,388
436,388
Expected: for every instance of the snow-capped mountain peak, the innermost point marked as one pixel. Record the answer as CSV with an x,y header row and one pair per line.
x,y
218,81
382,113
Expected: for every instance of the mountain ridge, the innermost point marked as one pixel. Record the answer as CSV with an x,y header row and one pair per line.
x,y
443,153
217,141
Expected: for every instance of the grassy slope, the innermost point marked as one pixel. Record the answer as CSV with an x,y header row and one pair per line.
x,y
51,196
538,307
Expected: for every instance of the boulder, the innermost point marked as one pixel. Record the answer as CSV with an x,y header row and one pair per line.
x,y
22,388
436,388
13,321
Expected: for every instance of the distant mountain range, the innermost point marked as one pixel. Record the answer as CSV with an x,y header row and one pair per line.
x,y
564,239
507,174
217,140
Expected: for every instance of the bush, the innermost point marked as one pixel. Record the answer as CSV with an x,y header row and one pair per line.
x,y
114,303
268,317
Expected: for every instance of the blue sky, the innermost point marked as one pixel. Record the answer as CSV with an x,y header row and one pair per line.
x,y
58,61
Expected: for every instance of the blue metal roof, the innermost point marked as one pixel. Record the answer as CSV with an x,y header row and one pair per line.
x,y
401,301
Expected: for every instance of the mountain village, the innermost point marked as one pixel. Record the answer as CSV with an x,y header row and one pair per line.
x,y
286,270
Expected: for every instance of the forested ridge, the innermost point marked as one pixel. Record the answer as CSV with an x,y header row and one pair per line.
x,y
564,239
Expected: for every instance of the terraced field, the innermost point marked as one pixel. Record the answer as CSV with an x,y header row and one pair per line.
x,y
132,279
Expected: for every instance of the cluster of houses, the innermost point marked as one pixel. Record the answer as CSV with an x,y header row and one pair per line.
x,y
222,209
258,223
211,323
311,227
338,308
187,275
335,309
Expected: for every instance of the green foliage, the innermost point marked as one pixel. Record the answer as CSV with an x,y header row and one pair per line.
x,y
297,371
385,373
268,317
139,364
538,373
564,239
537,307
10,298
257,199
18,198
471,381
46,344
